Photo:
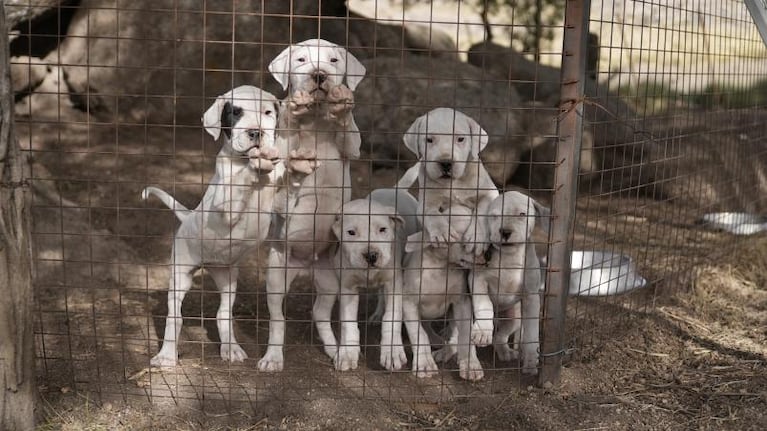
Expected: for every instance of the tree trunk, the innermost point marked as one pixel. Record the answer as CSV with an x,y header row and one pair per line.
x,y
17,354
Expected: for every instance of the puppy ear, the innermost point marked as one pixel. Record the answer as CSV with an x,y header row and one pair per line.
x,y
414,243
543,212
336,228
414,134
355,71
211,120
479,137
280,67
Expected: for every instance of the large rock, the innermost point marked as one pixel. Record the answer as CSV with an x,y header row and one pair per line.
x,y
17,11
164,60
399,90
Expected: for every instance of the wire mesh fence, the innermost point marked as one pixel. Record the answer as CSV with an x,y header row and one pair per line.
x,y
668,136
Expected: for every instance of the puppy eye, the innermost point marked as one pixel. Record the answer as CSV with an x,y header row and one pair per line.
x,y
351,232
441,210
301,59
461,139
522,214
334,60
429,140
268,112
382,230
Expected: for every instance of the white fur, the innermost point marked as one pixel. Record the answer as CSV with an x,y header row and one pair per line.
x,y
316,119
232,217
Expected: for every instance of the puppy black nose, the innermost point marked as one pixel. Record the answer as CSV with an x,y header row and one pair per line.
x,y
371,257
446,167
505,234
319,76
253,134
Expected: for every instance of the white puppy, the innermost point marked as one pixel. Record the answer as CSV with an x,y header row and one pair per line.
x,y
450,174
233,215
513,274
433,283
372,237
315,121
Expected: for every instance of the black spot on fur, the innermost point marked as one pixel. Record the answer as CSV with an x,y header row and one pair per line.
x,y
230,115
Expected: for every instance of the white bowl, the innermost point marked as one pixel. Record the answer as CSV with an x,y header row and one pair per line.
x,y
601,273
737,223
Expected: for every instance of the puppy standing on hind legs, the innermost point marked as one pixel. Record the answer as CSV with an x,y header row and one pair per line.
x,y
513,274
233,216
315,118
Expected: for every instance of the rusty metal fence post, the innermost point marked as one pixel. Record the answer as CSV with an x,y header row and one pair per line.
x,y
565,188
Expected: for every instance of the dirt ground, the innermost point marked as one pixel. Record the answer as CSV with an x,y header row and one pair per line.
x,y
689,351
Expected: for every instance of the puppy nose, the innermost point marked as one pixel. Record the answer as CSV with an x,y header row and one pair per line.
x,y
446,166
371,257
505,234
253,134
319,76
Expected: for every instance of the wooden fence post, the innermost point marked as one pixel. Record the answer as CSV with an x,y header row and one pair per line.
x,y
17,352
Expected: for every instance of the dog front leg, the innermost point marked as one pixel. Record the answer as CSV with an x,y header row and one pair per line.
x,y
530,340
226,281
393,355
180,283
469,366
482,328
508,324
349,348
326,284
278,280
423,361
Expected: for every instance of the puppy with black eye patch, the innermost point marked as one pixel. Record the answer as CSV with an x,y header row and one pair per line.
x,y
233,216
512,274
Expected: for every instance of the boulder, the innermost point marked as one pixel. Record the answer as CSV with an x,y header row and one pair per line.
x,y
163,61
399,90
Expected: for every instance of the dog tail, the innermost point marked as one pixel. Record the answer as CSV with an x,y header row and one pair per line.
x,y
410,176
181,211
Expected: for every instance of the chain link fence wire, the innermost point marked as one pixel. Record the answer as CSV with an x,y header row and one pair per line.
x,y
109,97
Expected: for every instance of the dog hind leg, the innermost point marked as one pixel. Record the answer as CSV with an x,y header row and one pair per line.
x,y
278,280
180,283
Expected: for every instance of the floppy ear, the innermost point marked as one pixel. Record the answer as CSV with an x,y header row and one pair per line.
x,y
415,242
355,71
543,212
211,120
280,67
413,135
336,228
479,137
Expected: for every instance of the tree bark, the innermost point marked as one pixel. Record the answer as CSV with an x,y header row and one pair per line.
x,y
17,355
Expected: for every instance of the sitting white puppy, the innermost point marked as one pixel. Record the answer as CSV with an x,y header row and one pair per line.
x,y
372,237
435,282
513,273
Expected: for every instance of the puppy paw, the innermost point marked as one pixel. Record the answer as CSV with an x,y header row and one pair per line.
x,y
470,370
272,360
340,101
300,103
530,363
347,358
393,358
482,332
233,353
445,354
263,159
424,366
164,359
303,161
504,352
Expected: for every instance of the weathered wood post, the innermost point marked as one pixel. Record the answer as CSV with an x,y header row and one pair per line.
x,y
570,130
17,352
